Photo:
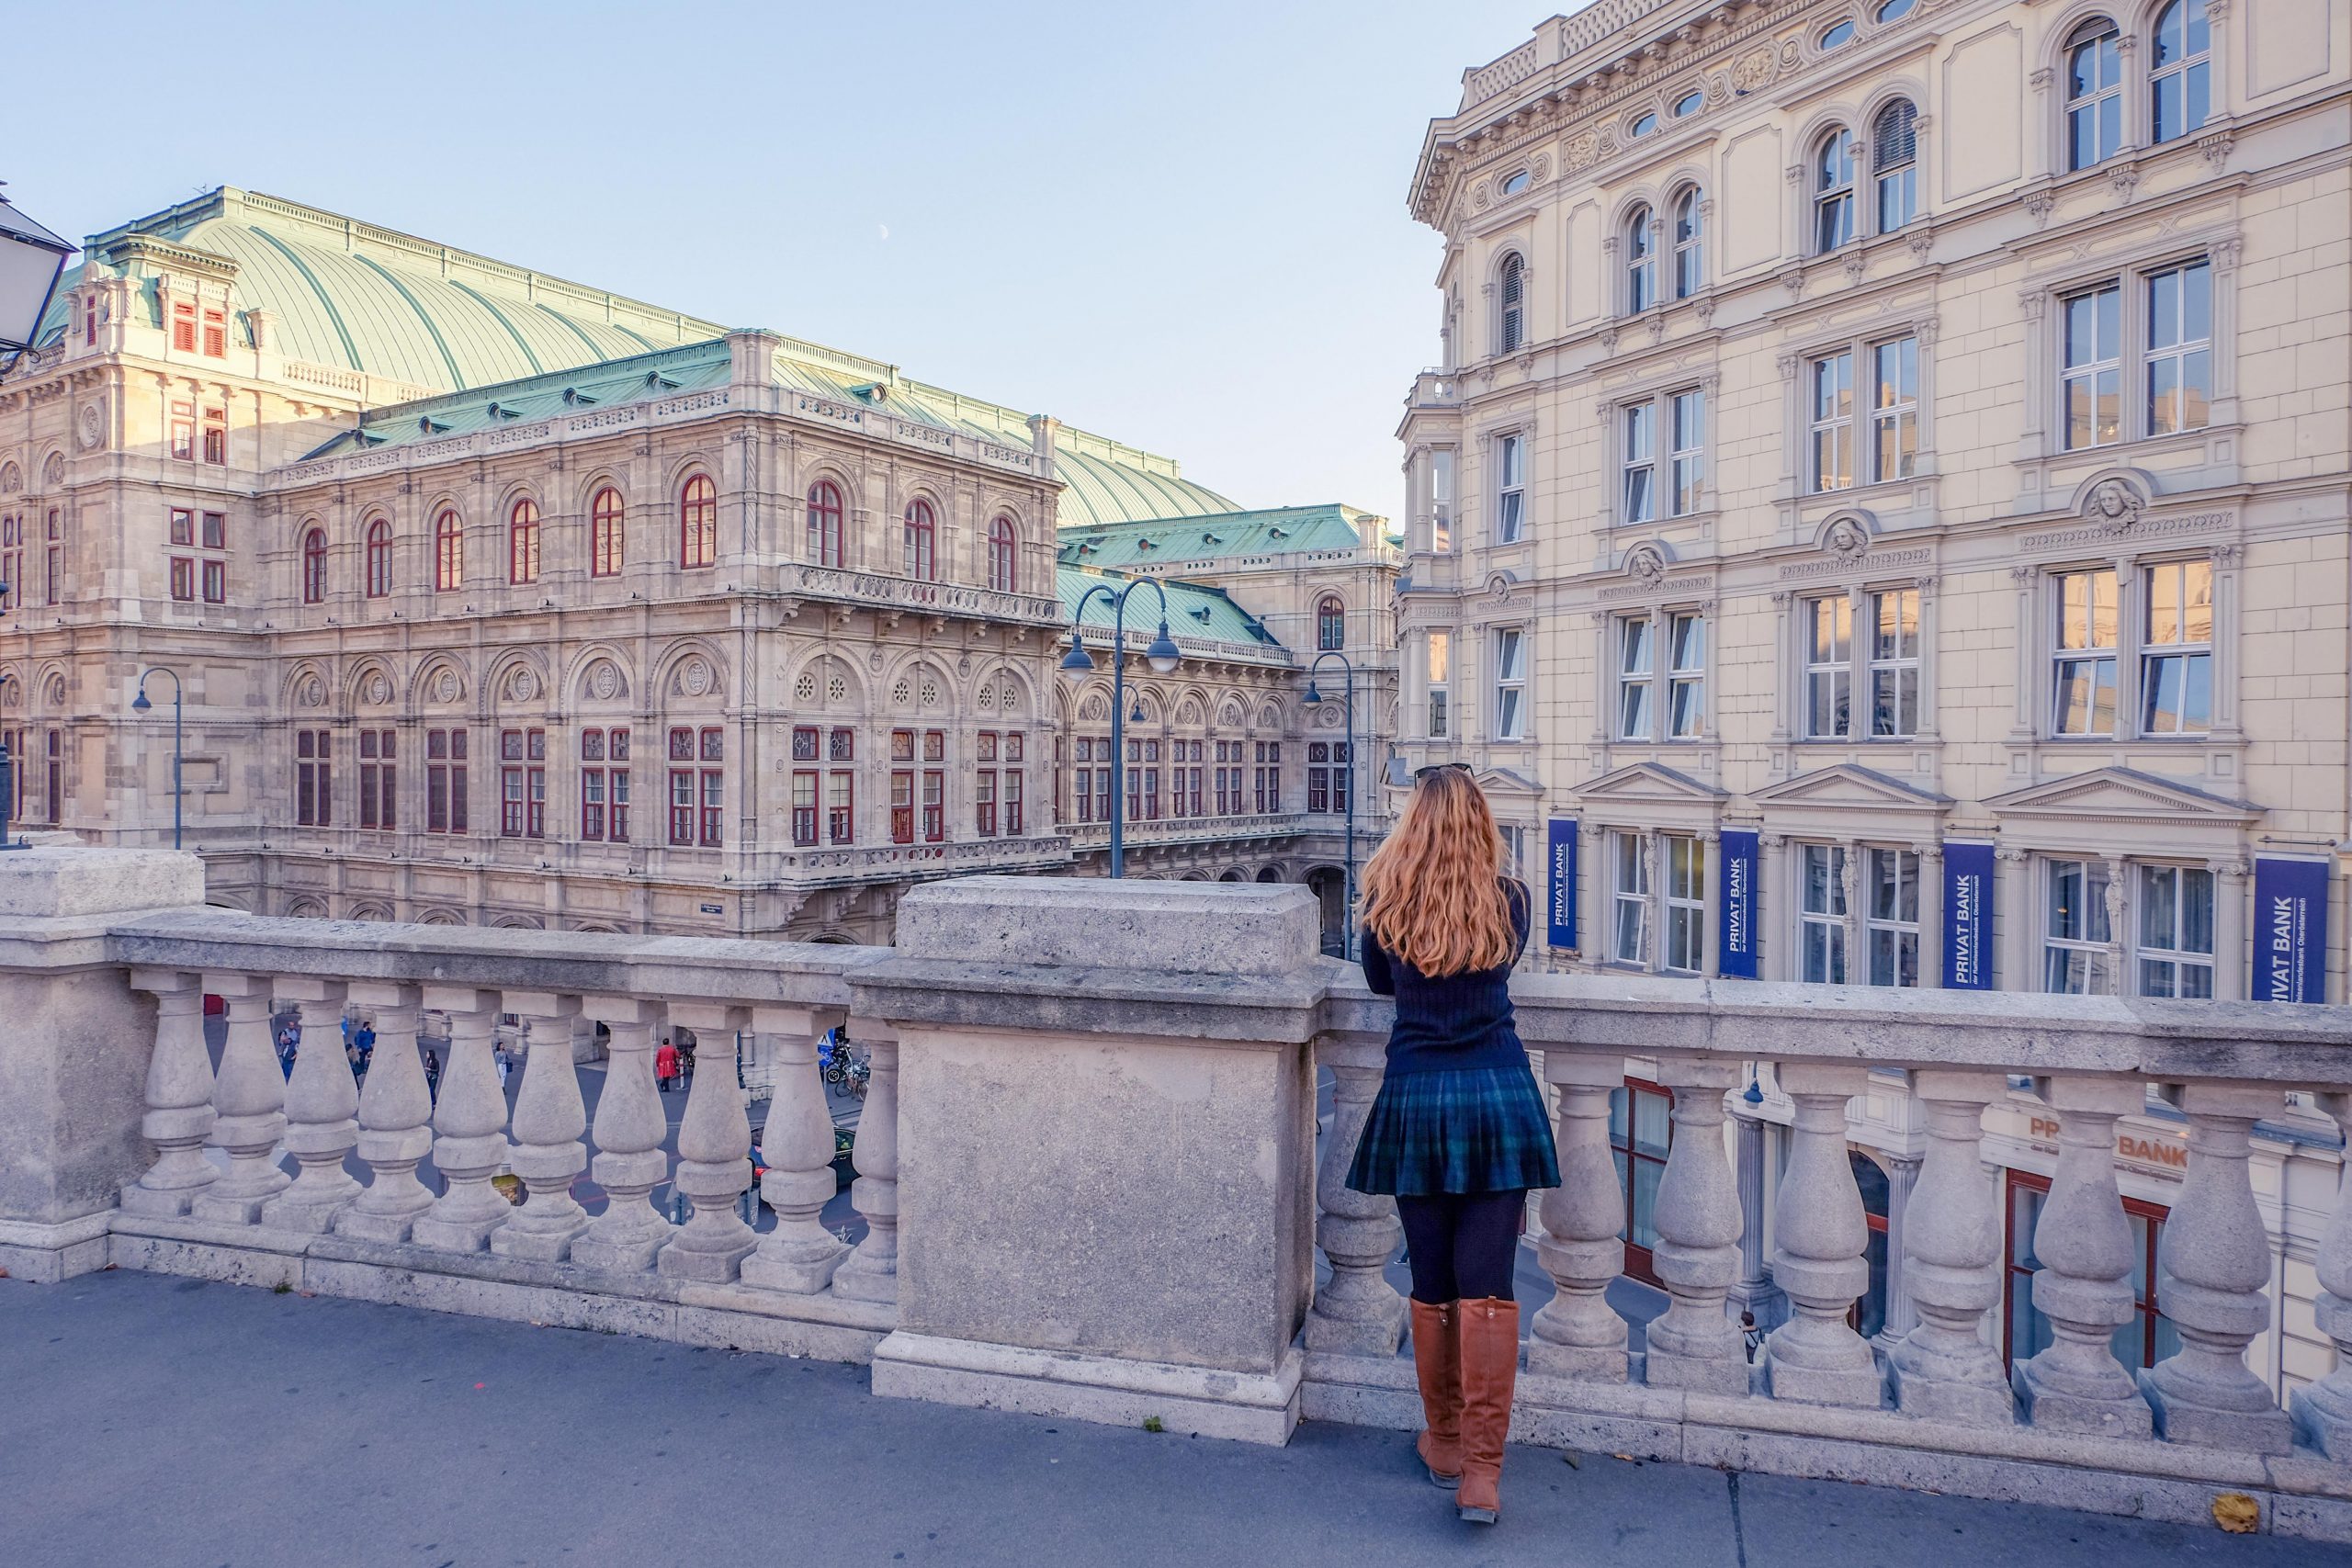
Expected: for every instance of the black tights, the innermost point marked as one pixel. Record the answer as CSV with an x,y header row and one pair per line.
x,y
1462,1246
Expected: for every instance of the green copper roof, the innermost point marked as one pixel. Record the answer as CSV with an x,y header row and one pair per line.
x,y
1194,611
1158,540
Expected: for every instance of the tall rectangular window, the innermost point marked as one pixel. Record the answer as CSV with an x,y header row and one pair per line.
x,y
379,791
1636,677
216,583
2090,383
2084,695
2177,655
840,783
1686,885
1894,409
1439,680
1510,489
1511,684
216,334
1269,792
804,806
1891,916
181,432
1687,413
1686,676
1013,784
984,785
1821,936
184,579
935,805
2076,955
1442,501
1833,421
1328,771
2180,349
216,434
1630,899
2176,931
444,781
1894,664
184,328
522,783
711,823
1639,460
1830,668
604,785
313,778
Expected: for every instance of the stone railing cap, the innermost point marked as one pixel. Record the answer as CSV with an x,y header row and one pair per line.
x,y
1200,928
46,882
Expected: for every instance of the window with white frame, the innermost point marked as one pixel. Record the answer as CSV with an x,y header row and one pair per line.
x,y
2091,367
1511,488
2176,949
1682,417
2178,352
2094,78
2076,957
1640,461
2180,68
1894,664
1894,164
1829,667
1832,422
1440,678
1442,501
1687,450
2136,355
1636,677
1833,190
2083,690
1641,262
1821,919
2176,649
1891,916
1686,896
1689,258
1682,715
1894,409
1883,664
1510,286
1511,684
1630,899
1686,676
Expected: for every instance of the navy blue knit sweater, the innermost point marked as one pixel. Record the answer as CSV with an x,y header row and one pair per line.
x,y
1453,1022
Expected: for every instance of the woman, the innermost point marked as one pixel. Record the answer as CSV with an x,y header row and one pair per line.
x,y
1458,1133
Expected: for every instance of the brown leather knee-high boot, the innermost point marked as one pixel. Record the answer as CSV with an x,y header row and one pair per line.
x,y
1437,1358
1489,1374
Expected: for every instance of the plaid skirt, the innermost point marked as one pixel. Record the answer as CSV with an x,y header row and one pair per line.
x,y
1477,1130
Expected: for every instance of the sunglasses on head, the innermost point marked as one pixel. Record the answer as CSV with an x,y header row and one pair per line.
x,y
1436,768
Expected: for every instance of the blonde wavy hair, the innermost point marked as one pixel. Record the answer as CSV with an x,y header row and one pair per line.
x,y
1433,893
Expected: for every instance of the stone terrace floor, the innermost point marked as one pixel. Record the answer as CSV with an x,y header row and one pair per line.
x,y
174,1422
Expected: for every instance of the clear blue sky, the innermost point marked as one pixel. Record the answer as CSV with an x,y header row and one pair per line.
x,y
1181,225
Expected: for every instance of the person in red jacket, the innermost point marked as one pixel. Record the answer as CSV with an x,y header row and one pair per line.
x,y
665,1063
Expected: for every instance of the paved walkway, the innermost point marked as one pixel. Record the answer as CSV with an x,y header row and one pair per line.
x,y
172,1422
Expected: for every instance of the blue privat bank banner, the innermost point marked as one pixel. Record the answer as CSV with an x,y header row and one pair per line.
x,y
1738,933
2290,931
1560,884
1968,917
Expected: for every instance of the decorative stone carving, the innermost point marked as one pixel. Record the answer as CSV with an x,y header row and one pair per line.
x,y
52,473
1752,70
310,691
604,682
1583,150
1848,540
2114,507
92,428
445,687
375,688
695,678
522,685
12,479
1646,564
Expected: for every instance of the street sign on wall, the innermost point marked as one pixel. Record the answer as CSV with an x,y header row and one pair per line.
x,y
1560,862
2290,931
1738,933
1968,917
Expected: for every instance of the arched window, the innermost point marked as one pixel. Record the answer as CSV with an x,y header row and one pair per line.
x,y
825,522
1641,262
380,558
698,522
2093,94
1511,285
922,538
1838,36
1004,557
1331,624
1894,164
1515,182
315,566
1893,11
1643,127
1833,191
2178,70
448,553
1689,104
523,542
607,543
1688,272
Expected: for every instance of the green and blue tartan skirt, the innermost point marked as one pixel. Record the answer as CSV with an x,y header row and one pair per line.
x,y
1475,1130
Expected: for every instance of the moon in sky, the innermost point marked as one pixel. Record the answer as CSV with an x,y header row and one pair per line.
x,y
886,229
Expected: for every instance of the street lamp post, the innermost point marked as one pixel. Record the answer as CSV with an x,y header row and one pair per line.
x,y
141,705
7,770
31,259
1348,700
1163,656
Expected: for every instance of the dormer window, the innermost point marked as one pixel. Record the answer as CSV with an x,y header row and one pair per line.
x,y
577,398
1515,182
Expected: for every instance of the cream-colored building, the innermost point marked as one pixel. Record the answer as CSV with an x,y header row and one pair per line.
x,y
1879,515
499,600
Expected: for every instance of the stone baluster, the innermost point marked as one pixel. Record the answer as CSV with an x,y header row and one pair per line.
x,y
630,1127
1819,1234
2084,1286
1952,1263
468,1124
550,1118
713,1153
2211,1266
248,1099
179,1097
395,1117
1901,1318
1577,1334
322,1112
800,1255
871,1273
1693,1345
2322,1410
1359,1312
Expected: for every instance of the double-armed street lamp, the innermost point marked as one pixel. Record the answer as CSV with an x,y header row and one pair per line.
x,y
1162,654
1347,776
141,705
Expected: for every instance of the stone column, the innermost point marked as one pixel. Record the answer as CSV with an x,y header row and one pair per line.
x,y
179,1097
2323,1411
1772,924
1902,1175
1577,1334
1931,915
1694,1345
714,1154
1754,1292
2230,957
1819,1234
1711,898
470,1124
395,1116
800,1255
630,1128
871,1273
2084,1286
249,1098
549,1117
1359,1312
2013,919
2211,1266
321,1108
1953,1272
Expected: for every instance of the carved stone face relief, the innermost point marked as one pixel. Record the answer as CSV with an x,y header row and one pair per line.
x,y
2114,506
1646,564
92,428
1847,539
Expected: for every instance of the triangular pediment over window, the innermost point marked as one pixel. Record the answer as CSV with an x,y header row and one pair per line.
x,y
1847,787
2122,794
1503,782
1647,783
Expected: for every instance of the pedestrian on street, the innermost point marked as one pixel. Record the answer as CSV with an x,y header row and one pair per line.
x,y
665,1063
432,1077
505,1060
351,1054
1458,1131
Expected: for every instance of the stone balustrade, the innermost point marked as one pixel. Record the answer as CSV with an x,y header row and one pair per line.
x,y
1091,1183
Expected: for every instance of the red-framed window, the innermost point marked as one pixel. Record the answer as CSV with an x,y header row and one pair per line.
x,y
2148,1337
448,553
380,558
55,775
216,583
184,579
522,783
1004,557
444,781
216,435
181,432
935,805
214,535
12,575
89,320
606,530
1640,1133
902,806
699,522
379,786
841,787
216,334
698,794
1267,791
804,806
825,522
604,785
184,328
315,566
523,541
1011,786
984,785
922,538
313,778
1327,775
1330,624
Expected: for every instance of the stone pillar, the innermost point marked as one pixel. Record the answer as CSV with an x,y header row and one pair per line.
x,y
249,1098
630,1132
1359,1312
395,1117
549,1117
1711,898
1931,911
1819,1234
1577,1334
800,1255
714,1154
1902,1176
322,1110
2323,1411
871,1273
469,1123
179,1097
2211,1266
2084,1286
2013,923
2230,957
1753,1292
1953,1272
1694,1345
